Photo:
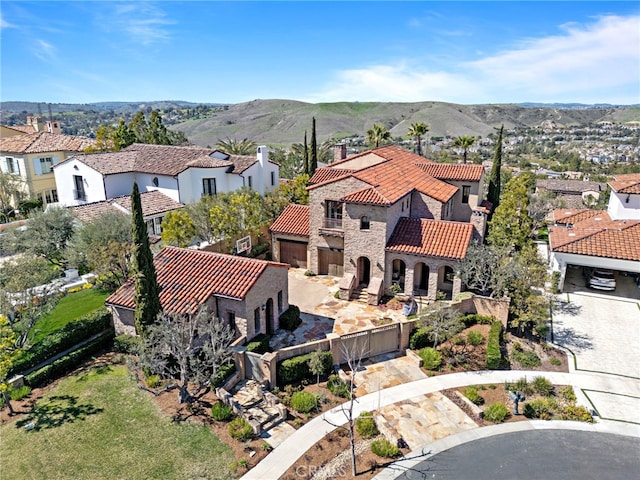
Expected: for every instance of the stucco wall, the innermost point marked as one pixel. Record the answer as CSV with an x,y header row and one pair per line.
x,y
423,206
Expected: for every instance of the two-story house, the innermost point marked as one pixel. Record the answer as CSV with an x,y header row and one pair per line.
x,y
31,157
183,173
385,220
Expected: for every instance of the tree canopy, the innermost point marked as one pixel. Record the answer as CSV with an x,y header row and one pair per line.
x,y
378,135
465,142
418,130
493,193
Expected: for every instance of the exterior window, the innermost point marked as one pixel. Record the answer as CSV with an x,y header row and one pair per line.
x,y
364,223
250,181
12,167
466,190
273,178
256,320
209,187
46,164
333,214
280,305
79,188
54,195
448,274
155,181
231,318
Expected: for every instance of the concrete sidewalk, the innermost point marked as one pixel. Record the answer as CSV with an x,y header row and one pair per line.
x,y
287,453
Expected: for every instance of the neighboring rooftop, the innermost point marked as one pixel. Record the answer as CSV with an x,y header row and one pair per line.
x,y
43,142
628,183
153,203
434,238
187,278
571,186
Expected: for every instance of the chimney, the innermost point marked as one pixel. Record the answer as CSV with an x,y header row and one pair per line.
x,y
263,155
339,152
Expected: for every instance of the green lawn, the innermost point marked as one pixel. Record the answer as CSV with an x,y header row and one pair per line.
x,y
70,307
99,425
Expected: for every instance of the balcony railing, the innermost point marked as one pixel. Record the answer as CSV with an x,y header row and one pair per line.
x,y
332,223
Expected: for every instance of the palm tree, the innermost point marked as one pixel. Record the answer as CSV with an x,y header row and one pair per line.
x,y
417,130
464,142
378,134
236,147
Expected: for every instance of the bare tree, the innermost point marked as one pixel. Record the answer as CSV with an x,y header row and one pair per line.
x,y
485,269
353,356
441,323
189,348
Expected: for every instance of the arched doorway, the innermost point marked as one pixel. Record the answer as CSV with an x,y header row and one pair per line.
x,y
269,316
446,275
364,271
398,273
421,278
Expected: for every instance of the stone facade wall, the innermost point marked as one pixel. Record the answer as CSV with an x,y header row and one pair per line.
x,y
275,244
273,280
123,321
423,206
317,197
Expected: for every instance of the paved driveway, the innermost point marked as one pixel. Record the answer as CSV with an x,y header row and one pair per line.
x,y
602,331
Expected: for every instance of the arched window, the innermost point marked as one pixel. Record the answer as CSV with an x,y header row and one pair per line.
x,y
364,223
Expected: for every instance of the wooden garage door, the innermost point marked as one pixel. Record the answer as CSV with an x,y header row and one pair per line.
x,y
330,262
293,253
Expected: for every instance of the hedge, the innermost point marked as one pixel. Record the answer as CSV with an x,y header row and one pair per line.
x,y
67,363
475,318
290,319
297,368
494,356
259,344
223,373
71,334
126,343
419,338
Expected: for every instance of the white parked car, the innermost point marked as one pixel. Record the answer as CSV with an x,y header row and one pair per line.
x,y
602,279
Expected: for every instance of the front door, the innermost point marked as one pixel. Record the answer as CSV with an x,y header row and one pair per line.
x,y
364,270
269,316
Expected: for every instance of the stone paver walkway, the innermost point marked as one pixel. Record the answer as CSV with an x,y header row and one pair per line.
x,y
386,371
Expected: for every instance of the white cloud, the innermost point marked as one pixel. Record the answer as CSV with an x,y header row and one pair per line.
x,y
599,62
44,51
4,24
143,22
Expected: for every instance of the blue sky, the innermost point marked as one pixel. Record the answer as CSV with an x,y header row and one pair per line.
x,y
232,52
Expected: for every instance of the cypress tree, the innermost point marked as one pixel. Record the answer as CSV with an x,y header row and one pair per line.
x,y
314,149
493,194
306,155
147,290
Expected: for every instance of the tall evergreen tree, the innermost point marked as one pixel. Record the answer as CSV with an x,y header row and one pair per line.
x,y
147,290
493,194
306,155
314,149
157,133
123,136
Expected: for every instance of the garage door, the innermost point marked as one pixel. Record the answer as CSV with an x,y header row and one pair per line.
x,y
330,262
293,253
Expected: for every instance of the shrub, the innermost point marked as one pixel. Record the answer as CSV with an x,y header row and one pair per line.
x,y
240,429
366,426
297,368
222,374
338,387
539,408
337,295
309,273
475,338
472,394
68,336
526,358
521,385
542,386
420,338
576,412
221,412
555,361
496,412
568,394
303,402
474,318
19,393
555,282
494,356
126,343
153,381
259,344
66,363
384,448
290,319
431,358
458,341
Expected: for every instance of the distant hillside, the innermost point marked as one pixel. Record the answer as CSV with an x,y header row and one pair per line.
x,y
285,121
118,107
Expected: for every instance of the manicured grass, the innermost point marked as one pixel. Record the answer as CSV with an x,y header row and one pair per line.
x,y
99,425
70,307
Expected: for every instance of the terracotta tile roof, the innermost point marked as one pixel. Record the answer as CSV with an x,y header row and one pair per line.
x,y
294,220
450,171
187,278
565,216
629,183
22,128
432,238
171,160
619,239
108,163
366,196
43,142
153,203
394,176
570,186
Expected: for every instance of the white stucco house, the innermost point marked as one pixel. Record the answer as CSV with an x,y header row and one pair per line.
x,y
183,173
